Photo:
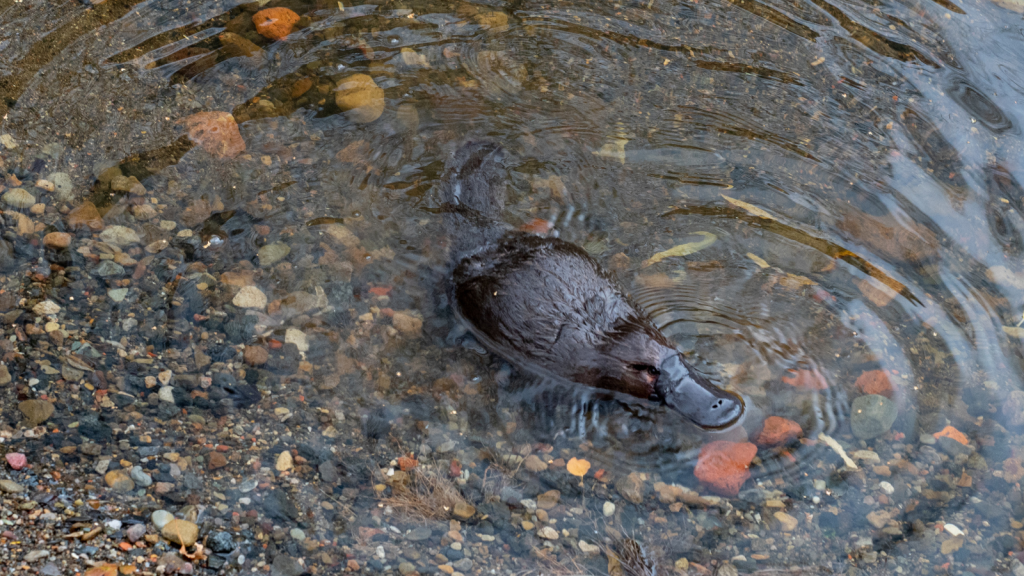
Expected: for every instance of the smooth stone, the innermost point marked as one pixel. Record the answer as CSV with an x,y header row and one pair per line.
x,y
273,253
19,198
166,394
160,518
117,294
46,308
34,555
135,532
872,415
140,477
284,461
285,565
181,532
418,534
36,411
108,268
119,480
57,240
16,460
297,534
62,185
250,297
119,236
11,487
360,98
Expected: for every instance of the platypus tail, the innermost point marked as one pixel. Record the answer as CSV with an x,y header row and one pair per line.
x,y
473,193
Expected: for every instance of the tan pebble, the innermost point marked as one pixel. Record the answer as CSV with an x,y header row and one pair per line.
x,y
533,463
407,324
284,462
250,297
45,185
548,533
38,209
788,522
57,240
360,97
181,532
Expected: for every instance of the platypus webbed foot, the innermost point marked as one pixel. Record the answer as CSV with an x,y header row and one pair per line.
x,y
686,391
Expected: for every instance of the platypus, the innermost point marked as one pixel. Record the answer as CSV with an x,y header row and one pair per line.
x,y
548,307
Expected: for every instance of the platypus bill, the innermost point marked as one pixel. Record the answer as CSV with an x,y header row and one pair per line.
x,y
546,306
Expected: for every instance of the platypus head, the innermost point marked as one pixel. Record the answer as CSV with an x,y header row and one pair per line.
x,y
639,361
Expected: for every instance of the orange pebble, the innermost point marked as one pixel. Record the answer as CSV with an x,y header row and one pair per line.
x,y
950,432
275,23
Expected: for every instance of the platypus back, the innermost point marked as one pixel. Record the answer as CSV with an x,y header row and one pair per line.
x,y
548,307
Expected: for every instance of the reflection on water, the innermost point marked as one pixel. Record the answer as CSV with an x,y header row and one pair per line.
x,y
858,165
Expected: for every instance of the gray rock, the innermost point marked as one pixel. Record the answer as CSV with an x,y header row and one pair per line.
x,y
329,472
872,415
160,518
117,294
36,555
952,447
464,565
419,533
19,198
510,496
11,487
102,465
273,253
50,569
140,477
406,568
221,542
108,268
119,236
62,185
285,565
297,534
135,532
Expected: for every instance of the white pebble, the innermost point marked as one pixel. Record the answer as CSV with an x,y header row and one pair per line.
x,y
886,487
608,509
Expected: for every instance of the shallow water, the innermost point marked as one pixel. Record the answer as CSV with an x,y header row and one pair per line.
x,y
847,171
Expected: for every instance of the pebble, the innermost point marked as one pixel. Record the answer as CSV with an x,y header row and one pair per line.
x,y
608,509
273,253
120,236
46,308
11,487
297,534
250,297
787,522
166,394
534,464
108,269
285,565
57,240
284,461
136,532
589,549
19,198
36,411
464,511
160,518
140,477
61,184
871,416
360,98
34,555
119,480
418,534
181,532
16,460
549,499
117,294
548,533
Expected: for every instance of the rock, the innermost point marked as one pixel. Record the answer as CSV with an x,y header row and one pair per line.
x,y
406,568
19,198
108,269
61,185
235,46
181,532
216,460
463,511
11,487
140,477
407,324
548,533
36,411
34,555
588,549
85,216
778,430
255,355
160,518
5,375
1013,408
878,519
284,461
608,509
275,23
360,98
16,460
787,522
221,542
215,132
117,294
533,463
548,500
120,236
119,480
463,565
418,534
50,569
871,416
496,21
724,466
631,488
273,253
285,565
46,308
297,534
874,382
250,297
102,465
278,506
166,394
57,240
135,532
952,545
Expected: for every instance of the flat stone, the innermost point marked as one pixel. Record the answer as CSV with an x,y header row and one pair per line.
x,y
418,534
273,253
464,511
297,534
548,500
61,185
46,308
284,461
533,463
11,487
119,236
166,394
872,415
181,532
608,509
85,216
57,240
140,477
117,294
548,533
285,565
36,411
787,522
135,532
19,198
108,269
119,480
16,460
250,297
34,555
160,518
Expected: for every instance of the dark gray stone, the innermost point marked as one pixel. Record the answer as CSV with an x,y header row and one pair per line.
x,y
285,565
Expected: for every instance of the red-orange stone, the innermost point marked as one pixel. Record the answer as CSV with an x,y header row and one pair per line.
x,y
778,430
216,132
275,23
806,379
874,382
951,432
724,466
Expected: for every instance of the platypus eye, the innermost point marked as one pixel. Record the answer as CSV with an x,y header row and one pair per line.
x,y
645,368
